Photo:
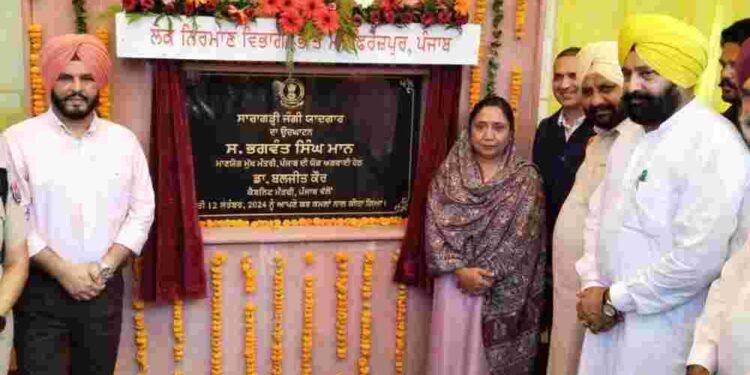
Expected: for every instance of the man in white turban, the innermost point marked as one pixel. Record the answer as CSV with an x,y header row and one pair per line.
x,y
600,81
660,223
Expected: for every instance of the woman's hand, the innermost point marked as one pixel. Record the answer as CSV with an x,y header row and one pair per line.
x,y
473,280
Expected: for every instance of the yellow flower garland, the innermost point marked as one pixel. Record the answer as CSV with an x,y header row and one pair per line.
x,y
250,341
217,275
104,103
316,222
342,278
365,342
308,304
476,71
520,18
141,336
246,263
277,338
516,82
38,97
178,330
400,355
461,6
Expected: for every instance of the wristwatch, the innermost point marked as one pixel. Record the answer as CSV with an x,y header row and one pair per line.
x,y
105,271
608,309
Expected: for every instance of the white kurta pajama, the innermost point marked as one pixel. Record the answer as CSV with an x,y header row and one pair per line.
x,y
658,234
567,245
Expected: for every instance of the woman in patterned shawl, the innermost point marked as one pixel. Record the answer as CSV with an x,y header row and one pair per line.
x,y
484,235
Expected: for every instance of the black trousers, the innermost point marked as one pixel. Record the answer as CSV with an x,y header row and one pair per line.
x,y
47,319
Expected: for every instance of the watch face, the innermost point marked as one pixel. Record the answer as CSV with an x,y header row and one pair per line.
x,y
609,310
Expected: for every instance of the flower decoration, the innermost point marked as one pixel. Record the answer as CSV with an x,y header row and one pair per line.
x,y
178,330
400,355
141,336
79,6
308,304
516,83
250,340
217,276
365,341
520,18
309,257
277,337
103,109
38,101
476,71
246,264
495,45
342,296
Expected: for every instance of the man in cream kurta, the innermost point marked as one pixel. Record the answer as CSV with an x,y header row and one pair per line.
x,y
660,223
722,333
600,80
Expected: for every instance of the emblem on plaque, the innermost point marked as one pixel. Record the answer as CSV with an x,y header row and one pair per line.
x,y
292,94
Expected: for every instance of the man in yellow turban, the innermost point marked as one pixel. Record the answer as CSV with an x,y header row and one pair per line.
x,y
600,81
660,223
86,188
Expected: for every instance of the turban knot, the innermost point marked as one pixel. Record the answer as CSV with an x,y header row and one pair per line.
x,y
676,50
60,50
601,58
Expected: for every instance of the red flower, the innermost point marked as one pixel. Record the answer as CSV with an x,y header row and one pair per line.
x,y
270,7
462,19
444,16
168,5
147,5
326,21
357,20
239,16
388,4
309,7
428,18
129,5
291,22
289,5
189,7
249,13
406,17
375,17
210,5
390,16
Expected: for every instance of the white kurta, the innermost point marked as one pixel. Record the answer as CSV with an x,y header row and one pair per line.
x,y
567,245
658,234
722,333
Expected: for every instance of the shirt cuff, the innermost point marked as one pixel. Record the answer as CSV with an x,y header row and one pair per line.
x,y
134,242
591,284
704,355
621,299
36,244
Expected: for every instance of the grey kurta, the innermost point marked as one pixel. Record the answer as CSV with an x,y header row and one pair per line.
x,y
567,244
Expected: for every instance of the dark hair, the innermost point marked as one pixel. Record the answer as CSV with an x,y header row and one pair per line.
x,y
570,51
493,101
737,33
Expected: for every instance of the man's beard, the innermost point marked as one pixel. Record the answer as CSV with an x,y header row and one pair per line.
x,y
605,116
75,114
727,84
652,110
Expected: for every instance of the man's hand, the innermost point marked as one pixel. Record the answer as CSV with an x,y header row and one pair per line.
x,y
589,309
473,280
81,281
697,370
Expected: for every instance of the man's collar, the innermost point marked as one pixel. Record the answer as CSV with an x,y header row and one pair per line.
x,y
61,125
561,120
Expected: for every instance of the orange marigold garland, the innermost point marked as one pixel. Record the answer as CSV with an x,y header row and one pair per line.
x,y
217,275
317,222
308,304
277,337
520,18
104,103
141,336
342,296
365,342
38,97
401,300
246,263
476,70
178,331
516,81
250,340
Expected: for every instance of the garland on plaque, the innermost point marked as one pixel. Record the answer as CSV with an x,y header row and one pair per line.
x,y
308,303
476,70
79,6
520,18
400,353
38,98
365,338
217,276
311,20
104,103
315,222
141,336
246,264
178,332
495,45
342,296
277,337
